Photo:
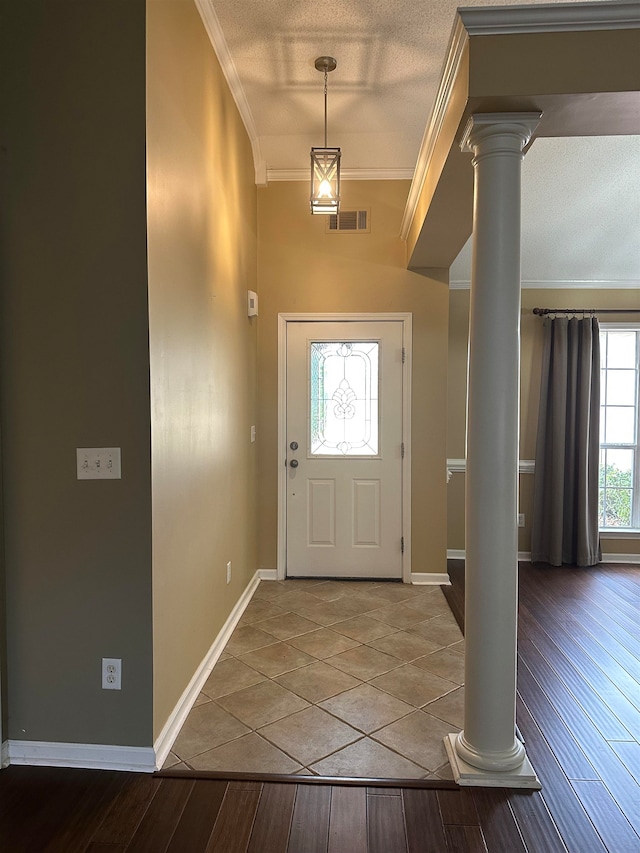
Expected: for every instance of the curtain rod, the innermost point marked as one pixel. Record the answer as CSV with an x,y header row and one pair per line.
x,y
541,312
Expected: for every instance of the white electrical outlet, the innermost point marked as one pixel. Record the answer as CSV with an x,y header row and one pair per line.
x,y
111,674
520,519
229,572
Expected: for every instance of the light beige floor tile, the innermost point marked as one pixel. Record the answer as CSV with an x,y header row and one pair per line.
x,y
246,638
368,759
328,591
413,685
449,708
317,681
223,656
257,610
394,593
310,735
441,629
205,727
363,628
363,662
367,708
403,645
262,704
230,676
294,601
430,605
398,615
276,659
170,761
268,591
419,737
326,613
300,583
286,626
445,663
323,643
444,772
248,754
457,647
201,700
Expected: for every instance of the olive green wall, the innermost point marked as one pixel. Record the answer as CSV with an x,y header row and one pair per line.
x,y
531,361
301,268
75,369
202,261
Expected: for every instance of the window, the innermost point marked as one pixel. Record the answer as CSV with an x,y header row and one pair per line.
x,y
344,398
619,493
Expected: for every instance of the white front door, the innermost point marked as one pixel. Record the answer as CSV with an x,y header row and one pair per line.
x,y
344,455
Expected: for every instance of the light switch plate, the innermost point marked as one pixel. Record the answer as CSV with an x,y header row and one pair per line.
x,y
98,463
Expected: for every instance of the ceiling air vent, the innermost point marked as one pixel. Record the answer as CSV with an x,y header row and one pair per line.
x,y
348,222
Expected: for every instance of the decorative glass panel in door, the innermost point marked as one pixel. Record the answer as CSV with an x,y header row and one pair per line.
x,y
343,404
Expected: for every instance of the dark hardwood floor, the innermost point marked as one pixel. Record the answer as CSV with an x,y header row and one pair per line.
x,y
578,709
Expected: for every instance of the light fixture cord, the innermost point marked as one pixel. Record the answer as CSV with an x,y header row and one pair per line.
x,y
325,109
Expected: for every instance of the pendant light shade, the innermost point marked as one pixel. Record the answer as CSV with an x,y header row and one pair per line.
x,y
325,162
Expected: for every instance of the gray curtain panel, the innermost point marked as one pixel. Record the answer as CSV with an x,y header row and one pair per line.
x,y
565,502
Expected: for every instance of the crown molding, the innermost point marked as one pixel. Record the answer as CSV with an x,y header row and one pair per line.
x,y
345,174
550,18
627,284
221,49
476,21
455,51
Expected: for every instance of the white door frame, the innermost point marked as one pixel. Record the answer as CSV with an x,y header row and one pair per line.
x,y
406,319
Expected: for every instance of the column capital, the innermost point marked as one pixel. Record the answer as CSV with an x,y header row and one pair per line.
x,y
519,127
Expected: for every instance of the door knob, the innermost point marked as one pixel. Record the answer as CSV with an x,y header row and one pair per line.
x,y
294,445
293,463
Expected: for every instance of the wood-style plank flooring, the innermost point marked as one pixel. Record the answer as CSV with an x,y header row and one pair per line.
x,y
578,709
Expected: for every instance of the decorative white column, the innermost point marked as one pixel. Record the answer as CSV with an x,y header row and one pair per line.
x,y
487,751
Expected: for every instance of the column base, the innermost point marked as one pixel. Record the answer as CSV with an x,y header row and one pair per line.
x,y
523,776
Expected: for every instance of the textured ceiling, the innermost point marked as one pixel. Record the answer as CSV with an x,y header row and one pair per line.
x,y
580,213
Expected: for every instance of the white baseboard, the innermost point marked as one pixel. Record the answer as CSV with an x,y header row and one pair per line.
x,y
87,755
632,559
172,727
452,554
428,579
523,556
268,574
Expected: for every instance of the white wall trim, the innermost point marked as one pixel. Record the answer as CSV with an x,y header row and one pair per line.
x,y
621,284
4,754
631,559
525,557
406,319
221,49
427,579
459,466
397,174
268,574
88,755
548,18
455,51
172,727
454,554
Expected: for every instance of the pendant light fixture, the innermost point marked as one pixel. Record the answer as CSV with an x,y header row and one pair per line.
x,y
325,162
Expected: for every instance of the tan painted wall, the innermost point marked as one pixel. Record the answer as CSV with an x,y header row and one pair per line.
x,y
202,261
531,360
75,368
303,269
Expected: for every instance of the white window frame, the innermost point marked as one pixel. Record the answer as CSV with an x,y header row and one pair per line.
x,y
635,520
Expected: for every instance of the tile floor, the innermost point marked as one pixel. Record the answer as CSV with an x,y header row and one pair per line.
x,y
337,678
